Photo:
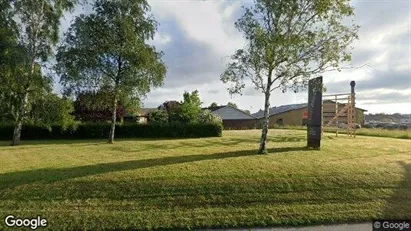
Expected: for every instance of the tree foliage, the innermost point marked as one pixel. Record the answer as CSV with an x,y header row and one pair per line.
x,y
186,111
94,106
108,48
230,104
288,42
213,105
158,116
171,108
31,29
206,117
52,110
189,109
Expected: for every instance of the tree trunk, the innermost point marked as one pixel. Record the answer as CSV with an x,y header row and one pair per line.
x,y
19,121
113,121
264,132
22,112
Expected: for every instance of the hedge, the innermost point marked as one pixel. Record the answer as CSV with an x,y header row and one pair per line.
x,y
101,131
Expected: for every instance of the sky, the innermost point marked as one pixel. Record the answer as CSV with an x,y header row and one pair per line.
x,y
198,36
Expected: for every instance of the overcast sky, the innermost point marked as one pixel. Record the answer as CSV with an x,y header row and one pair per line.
x,y
197,36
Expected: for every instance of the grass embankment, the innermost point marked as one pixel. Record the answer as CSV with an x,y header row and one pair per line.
x,y
375,132
209,182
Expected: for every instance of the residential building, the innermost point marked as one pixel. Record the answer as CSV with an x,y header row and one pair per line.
x,y
234,118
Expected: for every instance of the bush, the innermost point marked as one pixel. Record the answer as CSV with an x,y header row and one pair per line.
x,y
206,116
158,116
101,131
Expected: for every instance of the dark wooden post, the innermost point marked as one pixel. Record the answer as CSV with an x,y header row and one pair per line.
x,y
314,121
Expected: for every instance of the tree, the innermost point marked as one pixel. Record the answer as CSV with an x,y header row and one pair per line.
x,y
91,106
289,41
190,108
35,25
247,111
50,109
205,116
158,116
213,105
230,104
171,108
108,48
11,56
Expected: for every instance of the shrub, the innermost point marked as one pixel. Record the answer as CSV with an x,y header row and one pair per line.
x,y
206,116
171,108
101,131
158,116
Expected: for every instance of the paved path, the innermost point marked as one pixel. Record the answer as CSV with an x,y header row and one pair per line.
x,y
344,227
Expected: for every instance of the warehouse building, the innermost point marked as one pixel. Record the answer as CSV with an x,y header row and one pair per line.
x,y
297,114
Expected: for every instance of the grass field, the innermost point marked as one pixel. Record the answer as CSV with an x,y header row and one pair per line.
x,y
375,132
210,182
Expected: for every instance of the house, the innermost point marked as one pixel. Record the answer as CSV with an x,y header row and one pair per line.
x,y
297,114
234,118
141,117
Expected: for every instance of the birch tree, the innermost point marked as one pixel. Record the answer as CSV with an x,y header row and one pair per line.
x,y
36,26
288,42
107,49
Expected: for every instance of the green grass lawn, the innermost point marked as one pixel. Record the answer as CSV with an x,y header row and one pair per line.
x,y
376,132
209,182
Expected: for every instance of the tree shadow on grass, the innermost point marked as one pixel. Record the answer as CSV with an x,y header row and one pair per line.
x,y
209,140
288,149
86,142
280,139
398,206
25,144
49,175
238,140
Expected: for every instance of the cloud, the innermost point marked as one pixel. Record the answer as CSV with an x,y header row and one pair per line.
x,y
378,17
197,37
160,39
383,96
189,61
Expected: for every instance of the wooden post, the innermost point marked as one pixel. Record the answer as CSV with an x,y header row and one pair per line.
x,y
336,113
349,116
354,111
322,119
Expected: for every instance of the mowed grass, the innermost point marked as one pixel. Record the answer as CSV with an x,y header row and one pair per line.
x,y
206,183
375,132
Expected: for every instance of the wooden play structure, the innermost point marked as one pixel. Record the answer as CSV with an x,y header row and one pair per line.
x,y
339,109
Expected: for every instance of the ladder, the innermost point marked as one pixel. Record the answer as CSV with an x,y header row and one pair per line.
x,y
348,108
343,110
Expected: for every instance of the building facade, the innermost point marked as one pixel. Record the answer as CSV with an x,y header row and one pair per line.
x,y
234,118
297,114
